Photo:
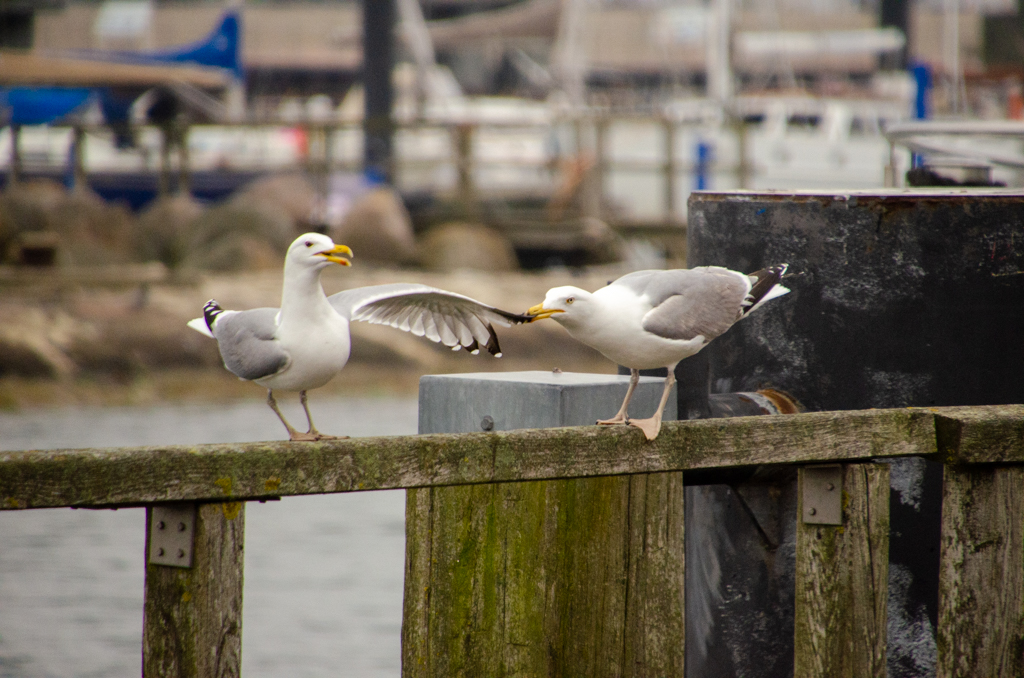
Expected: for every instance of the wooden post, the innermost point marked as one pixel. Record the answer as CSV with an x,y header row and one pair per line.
x,y
184,159
581,577
669,170
464,133
192,624
15,169
78,158
164,181
981,572
842,580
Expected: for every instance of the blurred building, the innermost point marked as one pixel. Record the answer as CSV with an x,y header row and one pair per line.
x,y
619,49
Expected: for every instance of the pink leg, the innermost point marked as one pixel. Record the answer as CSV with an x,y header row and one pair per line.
x,y
292,433
622,417
651,427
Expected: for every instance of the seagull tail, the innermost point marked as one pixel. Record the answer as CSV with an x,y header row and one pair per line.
x,y
766,287
199,325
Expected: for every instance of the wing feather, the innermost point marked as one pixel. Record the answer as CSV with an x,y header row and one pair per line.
x,y
441,316
246,342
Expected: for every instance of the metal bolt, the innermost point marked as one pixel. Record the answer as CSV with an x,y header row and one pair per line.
x,y
487,423
813,511
159,552
160,525
181,553
830,487
182,527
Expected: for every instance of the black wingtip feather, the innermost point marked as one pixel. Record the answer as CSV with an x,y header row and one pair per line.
x,y
767,278
492,343
210,312
514,318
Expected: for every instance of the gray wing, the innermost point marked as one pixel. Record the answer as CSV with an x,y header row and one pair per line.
x,y
446,317
690,302
246,342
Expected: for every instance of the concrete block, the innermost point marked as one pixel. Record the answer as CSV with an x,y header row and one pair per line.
x,y
501,401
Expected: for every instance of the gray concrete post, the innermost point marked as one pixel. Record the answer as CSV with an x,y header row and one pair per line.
x,y
501,401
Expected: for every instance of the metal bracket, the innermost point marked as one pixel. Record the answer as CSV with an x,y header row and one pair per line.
x,y
822,494
171,534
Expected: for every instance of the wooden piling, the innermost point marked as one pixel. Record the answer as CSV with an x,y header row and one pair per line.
x,y
842,581
192,620
578,577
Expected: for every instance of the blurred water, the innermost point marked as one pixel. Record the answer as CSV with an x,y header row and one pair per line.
x,y
323,574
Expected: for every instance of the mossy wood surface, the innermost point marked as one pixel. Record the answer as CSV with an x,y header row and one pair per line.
x,y
548,578
981,572
230,472
192,619
842,582
991,434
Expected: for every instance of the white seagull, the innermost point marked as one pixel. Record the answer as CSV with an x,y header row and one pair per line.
x,y
306,342
650,319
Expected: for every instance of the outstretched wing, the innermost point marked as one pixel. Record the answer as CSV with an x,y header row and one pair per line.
x,y
446,317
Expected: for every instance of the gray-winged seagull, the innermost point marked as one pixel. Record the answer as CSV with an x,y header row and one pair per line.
x,y
302,345
650,319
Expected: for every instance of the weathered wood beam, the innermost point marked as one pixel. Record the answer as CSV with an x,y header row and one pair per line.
x,y
991,434
231,472
192,620
981,572
580,577
842,581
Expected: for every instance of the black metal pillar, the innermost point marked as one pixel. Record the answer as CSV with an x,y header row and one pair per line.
x,y
898,299
895,14
378,61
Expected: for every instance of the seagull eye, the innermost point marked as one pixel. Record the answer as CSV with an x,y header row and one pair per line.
x,y
570,300
309,243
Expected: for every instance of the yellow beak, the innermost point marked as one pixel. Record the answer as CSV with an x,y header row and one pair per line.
x,y
332,255
539,312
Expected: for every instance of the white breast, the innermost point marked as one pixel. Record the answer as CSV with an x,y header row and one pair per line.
x,y
318,347
615,328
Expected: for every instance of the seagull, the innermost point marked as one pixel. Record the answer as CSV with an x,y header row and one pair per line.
x,y
306,342
651,319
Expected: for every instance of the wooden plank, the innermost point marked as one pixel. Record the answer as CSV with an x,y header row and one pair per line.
x,y
192,620
842,581
415,650
577,577
990,434
135,476
655,605
981,573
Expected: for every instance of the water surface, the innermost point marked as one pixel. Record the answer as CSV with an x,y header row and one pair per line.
x,y
323,574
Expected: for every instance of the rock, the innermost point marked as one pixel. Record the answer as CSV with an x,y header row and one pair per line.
x,y
292,194
26,207
457,245
164,226
88,230
378,229
237,237
94,232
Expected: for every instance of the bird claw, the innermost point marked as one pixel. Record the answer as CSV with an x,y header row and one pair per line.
x,y
651,427
613,421
298,436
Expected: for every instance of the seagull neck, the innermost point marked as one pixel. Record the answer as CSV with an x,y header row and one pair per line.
x,y
302,294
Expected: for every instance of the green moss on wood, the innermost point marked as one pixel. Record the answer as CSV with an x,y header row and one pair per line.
x,y
128,476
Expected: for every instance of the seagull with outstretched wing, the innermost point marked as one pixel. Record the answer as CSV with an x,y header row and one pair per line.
x,y
306,342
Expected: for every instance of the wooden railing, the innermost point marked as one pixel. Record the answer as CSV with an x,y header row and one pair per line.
x,y
193,614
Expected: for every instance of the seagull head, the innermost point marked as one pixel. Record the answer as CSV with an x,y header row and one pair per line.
x,y
561,304
314,250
